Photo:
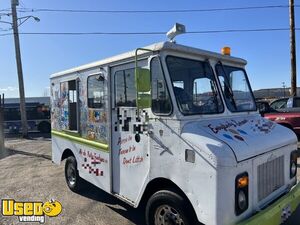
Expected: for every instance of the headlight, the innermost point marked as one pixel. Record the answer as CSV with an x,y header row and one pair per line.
x,y
293,164
241,193
293,169
242,200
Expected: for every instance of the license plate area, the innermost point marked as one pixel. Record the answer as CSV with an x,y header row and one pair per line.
x,y
286,212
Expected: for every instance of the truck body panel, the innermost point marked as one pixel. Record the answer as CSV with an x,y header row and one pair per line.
x,y
121,149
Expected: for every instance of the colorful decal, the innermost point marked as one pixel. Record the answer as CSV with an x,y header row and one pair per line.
x,y
227,136
235,129
239,137
91,162
230,129
263,126
228,124
242,132
93,122
55,108
64,106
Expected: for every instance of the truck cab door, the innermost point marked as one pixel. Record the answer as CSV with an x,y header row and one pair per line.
x,y
130,141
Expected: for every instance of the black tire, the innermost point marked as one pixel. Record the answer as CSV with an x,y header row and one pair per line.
x,y
168,206
74,181
44,127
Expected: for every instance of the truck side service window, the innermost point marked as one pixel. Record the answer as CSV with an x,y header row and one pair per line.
x,y
125,88
161,103
95,92
64,105
72,105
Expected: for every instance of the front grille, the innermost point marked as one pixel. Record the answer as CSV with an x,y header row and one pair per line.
x,y
270,177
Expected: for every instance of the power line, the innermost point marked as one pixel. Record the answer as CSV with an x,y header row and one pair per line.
x,y
5,30
24,10
152,33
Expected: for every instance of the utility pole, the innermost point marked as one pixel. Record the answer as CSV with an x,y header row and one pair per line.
x,y
283,85
14,4
1,124
293,50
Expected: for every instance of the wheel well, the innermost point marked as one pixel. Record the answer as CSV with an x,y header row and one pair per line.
x,y
287,125
67,153
163,184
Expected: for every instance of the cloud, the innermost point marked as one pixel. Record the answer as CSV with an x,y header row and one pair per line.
x,y
9,89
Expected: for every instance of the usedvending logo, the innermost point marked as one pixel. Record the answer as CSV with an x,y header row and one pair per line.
x,y
30,211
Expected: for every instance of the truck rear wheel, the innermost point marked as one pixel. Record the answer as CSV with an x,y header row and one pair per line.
x,y
74,181
167,208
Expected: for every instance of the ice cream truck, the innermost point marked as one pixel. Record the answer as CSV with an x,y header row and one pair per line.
x,y
175,129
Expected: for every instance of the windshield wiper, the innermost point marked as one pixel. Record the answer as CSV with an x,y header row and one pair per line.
x,y
228,90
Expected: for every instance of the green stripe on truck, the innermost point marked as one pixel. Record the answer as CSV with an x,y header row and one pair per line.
x,y
272,214
80,140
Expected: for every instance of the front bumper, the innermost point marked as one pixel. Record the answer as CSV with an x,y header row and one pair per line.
x,y
273,214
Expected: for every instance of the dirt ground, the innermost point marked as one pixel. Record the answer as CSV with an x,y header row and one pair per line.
x,y
27,173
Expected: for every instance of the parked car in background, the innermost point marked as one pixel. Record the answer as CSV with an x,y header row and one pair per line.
x,y
289,118
38,118
286,104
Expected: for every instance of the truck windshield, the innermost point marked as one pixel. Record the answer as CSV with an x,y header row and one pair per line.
x,y
236,89
194,86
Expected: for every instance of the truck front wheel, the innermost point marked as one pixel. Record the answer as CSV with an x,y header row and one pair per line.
x,y
167,207
74,181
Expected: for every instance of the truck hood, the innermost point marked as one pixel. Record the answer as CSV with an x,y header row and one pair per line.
x,y
246,136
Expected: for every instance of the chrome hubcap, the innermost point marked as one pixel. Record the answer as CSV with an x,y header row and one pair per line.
x,y
71,174
167,215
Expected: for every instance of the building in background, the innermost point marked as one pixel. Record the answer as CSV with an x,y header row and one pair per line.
x,y
41,100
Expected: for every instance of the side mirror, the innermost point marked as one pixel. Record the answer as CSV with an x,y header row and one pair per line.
x,y
263,108
143,88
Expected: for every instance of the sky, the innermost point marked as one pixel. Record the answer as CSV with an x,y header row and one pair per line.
x,y
267,53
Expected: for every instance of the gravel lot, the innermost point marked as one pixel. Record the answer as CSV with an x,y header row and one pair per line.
x,y
27,173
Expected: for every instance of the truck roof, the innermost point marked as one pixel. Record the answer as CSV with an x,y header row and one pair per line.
x,y
154,47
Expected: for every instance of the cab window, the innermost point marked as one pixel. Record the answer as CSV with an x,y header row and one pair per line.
x,y
161,103
194,86
236,89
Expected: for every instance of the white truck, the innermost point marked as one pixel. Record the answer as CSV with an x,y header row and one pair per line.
x,y
176,128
